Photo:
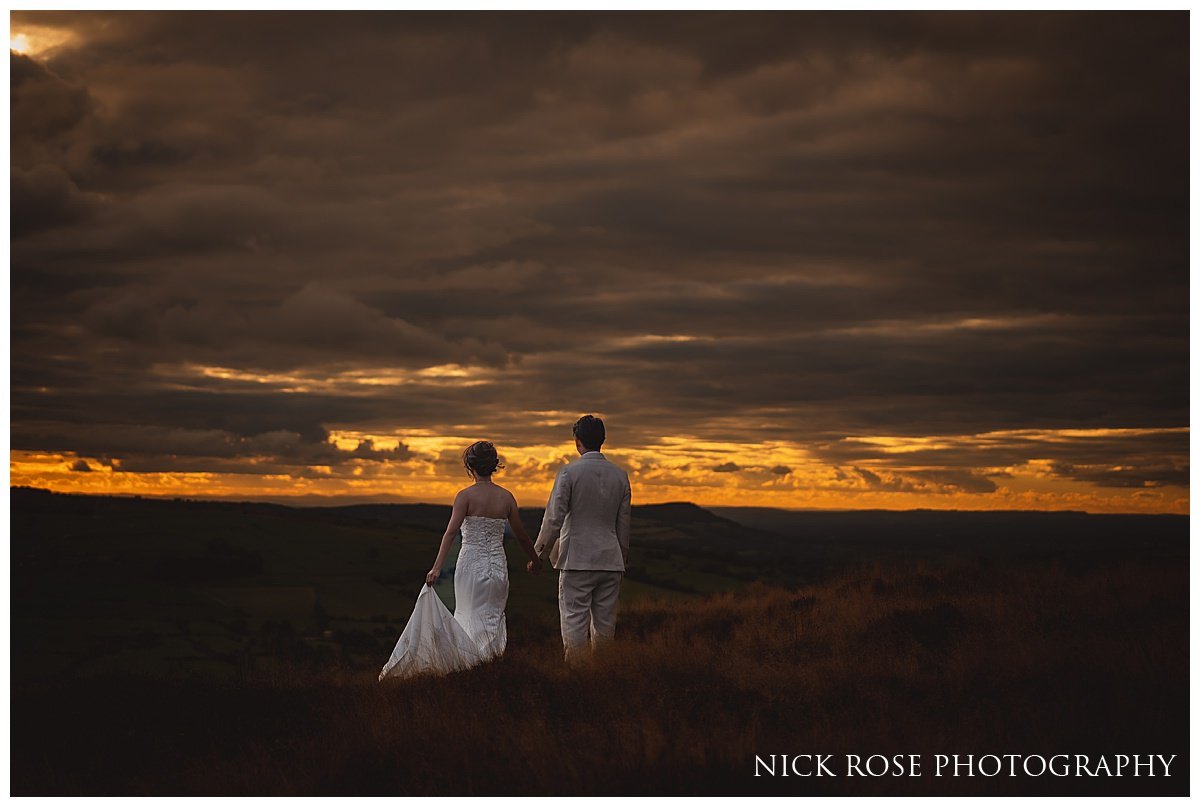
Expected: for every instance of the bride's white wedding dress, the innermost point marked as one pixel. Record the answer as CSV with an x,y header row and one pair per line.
x,y
436,640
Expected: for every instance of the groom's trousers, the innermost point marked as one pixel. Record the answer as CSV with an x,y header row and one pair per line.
x,y
587,608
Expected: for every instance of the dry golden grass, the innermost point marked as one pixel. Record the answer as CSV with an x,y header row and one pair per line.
x,y
959,657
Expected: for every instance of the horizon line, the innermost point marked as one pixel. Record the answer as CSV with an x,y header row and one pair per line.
x,y
314,500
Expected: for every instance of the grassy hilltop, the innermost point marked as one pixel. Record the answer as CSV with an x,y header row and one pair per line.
x,y
186,648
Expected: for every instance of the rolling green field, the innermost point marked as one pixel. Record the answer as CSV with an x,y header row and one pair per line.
x,y
107,584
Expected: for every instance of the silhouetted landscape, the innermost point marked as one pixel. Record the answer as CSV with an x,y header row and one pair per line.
x,y
178,647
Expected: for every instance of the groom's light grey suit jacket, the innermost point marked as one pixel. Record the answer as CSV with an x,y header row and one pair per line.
x,y
586,525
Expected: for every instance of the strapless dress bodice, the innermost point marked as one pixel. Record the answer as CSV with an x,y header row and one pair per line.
x,y
483,531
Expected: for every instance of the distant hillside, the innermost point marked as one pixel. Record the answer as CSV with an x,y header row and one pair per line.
x,y
1076,537
382,514
123,583
792,521
752,542
679,512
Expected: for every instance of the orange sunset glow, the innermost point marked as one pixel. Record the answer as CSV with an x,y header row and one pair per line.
x,y
731,474
834,265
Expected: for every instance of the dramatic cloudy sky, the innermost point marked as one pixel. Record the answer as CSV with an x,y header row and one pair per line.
x,y
855,259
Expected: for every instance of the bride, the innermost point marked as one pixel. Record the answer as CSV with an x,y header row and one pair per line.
x,y
436,640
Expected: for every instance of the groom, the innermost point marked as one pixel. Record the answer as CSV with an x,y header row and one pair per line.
x,y
585,531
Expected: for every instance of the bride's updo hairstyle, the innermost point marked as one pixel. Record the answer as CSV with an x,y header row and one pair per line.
x,y
481,458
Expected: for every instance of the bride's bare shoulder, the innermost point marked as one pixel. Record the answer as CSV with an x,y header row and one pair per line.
x,y
506,497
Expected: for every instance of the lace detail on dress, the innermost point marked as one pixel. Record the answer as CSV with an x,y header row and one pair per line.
x,y
483,530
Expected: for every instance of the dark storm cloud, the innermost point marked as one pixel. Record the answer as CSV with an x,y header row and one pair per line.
x,y
44,108
865,223
1129,477
148,448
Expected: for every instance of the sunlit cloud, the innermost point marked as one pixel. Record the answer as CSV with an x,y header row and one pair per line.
x,y
348,381
38,40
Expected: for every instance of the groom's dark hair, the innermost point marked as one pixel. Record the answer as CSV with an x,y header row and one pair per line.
x,y
590,431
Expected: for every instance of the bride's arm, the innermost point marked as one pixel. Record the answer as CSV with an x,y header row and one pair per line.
x,y
457,514
514,519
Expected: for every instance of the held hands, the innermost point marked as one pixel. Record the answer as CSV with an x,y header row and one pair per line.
x,y
534,566
432,577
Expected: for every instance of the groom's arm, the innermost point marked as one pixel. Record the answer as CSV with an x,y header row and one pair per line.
x,y
556,512
623,524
